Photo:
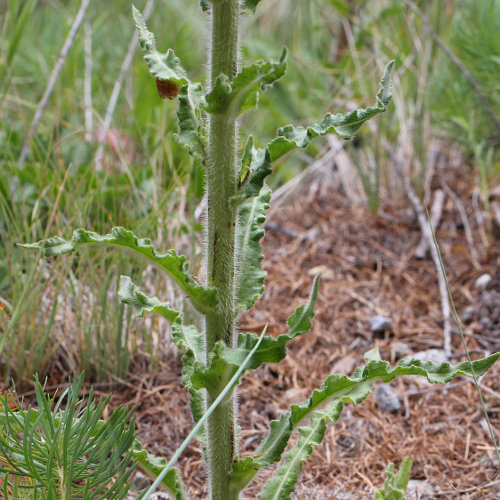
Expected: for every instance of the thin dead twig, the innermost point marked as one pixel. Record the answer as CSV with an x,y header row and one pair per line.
x,y
465,222
435,217
52,80
127,61
87,81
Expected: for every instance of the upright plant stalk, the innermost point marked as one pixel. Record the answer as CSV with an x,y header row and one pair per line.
x,y
220,239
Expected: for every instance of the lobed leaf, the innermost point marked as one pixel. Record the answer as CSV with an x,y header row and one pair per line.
x,y
166,68
335,391
234,97
224,361
217,374
190,134
273,349
344,125
396,484
256,165
249,282
154,466
204,299
130,294
186,338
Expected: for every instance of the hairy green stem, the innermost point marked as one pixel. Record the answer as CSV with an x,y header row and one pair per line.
x,y
220,241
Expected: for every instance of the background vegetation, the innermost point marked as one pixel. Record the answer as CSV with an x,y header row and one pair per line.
x,y
63,314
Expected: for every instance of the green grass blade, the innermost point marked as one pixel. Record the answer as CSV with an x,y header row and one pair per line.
x,y
462,337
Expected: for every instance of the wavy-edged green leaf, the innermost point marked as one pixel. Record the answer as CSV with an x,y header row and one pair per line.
x,y
130,294
224,360
396,484
205,5
283,482
204,299
153,466
273,349
186,338
249,282
166,68
217,374
335,391
344,125
190,134
232,98
256,165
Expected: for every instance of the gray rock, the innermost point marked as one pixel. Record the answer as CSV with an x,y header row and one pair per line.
x,y
435,355
140,481
401,349
379,324
483,281
419,489
468,314
386,398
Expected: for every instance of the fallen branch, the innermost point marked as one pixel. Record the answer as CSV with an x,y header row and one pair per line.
x,y
435,218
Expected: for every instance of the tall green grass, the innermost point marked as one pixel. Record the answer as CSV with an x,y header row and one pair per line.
x,y
54,320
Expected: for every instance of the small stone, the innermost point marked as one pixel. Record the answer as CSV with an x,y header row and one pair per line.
x,y
483,281
419,489
434,355
140,481
379,324
468,314
387,398
400,349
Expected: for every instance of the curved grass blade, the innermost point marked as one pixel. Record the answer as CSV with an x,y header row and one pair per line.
x,y
204,299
